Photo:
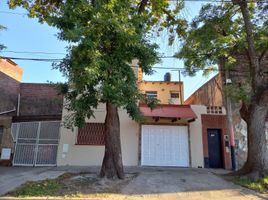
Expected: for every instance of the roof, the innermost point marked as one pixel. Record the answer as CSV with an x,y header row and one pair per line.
x,y
169,111
209,94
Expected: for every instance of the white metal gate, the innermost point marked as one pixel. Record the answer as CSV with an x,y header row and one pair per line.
x,y
36,143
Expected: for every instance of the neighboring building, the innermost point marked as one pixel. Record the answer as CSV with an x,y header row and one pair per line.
x,y
10,77
166,91
30,115
210,96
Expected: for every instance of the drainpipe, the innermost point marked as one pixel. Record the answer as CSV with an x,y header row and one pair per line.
x,y
18,106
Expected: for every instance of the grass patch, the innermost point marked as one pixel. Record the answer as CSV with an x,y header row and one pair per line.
x,y
260,186
42,188
48,187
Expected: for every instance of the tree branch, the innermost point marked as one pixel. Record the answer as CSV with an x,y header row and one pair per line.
x,y
255,65
263,55
169,15
142,6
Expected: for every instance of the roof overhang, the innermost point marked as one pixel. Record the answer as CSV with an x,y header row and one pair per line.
x,y
174,112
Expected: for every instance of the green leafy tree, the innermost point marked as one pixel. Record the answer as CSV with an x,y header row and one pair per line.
x,y
105,36
235,37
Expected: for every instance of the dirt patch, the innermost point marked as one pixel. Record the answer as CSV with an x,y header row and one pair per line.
x,y
73,185
92,184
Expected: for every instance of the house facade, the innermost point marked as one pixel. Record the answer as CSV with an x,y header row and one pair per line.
x,y
30,115
169,135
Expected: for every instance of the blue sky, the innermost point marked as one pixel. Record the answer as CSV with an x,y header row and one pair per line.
x,y
28,35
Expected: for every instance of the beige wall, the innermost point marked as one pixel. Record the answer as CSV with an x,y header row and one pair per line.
x,y
86,155
11,69
196,142
163,89
89,155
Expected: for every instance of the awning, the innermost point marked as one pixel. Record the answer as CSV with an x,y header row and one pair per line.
x,y
169,111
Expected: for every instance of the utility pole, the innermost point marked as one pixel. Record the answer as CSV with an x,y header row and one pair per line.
x,y
179,71
230,121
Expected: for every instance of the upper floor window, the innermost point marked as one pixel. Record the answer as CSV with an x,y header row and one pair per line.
x,y
151,94
174,95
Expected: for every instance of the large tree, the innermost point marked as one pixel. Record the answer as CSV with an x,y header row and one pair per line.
x,y
105,36
235,37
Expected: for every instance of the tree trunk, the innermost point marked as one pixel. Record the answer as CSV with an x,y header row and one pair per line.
x,y
112,165
257,145
256,162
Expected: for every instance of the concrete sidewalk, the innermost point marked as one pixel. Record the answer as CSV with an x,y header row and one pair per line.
x,y
12,177
150,184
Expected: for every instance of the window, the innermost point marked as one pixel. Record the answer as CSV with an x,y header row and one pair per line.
x,y
151,94
91,134
175,95
1,134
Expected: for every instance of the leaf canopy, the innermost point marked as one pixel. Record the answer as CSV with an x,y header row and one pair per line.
x,y
218,32
104,37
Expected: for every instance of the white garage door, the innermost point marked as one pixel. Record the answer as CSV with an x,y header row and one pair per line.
x,y
164,146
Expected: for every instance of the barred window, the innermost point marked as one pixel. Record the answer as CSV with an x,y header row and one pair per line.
x,y
91,134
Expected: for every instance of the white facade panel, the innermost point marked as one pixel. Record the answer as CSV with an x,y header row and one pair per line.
x,y
164,146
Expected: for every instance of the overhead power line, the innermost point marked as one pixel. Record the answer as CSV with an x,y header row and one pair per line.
x,y
237,72
54,59
59,60
33,52
33,59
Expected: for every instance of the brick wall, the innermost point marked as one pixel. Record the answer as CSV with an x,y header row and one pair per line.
x,y
209,94
39,99
215,122
9,89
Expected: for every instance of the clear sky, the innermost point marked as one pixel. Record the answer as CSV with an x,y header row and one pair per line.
x,y
28,35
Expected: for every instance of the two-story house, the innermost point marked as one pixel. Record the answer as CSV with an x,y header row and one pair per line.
x,y
162,139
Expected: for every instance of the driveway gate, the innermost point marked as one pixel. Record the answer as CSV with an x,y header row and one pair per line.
x,y
36,143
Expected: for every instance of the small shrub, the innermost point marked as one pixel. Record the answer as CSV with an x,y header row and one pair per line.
x,y
261,185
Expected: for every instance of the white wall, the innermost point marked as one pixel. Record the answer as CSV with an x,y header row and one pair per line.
x,y
89,155
196,143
